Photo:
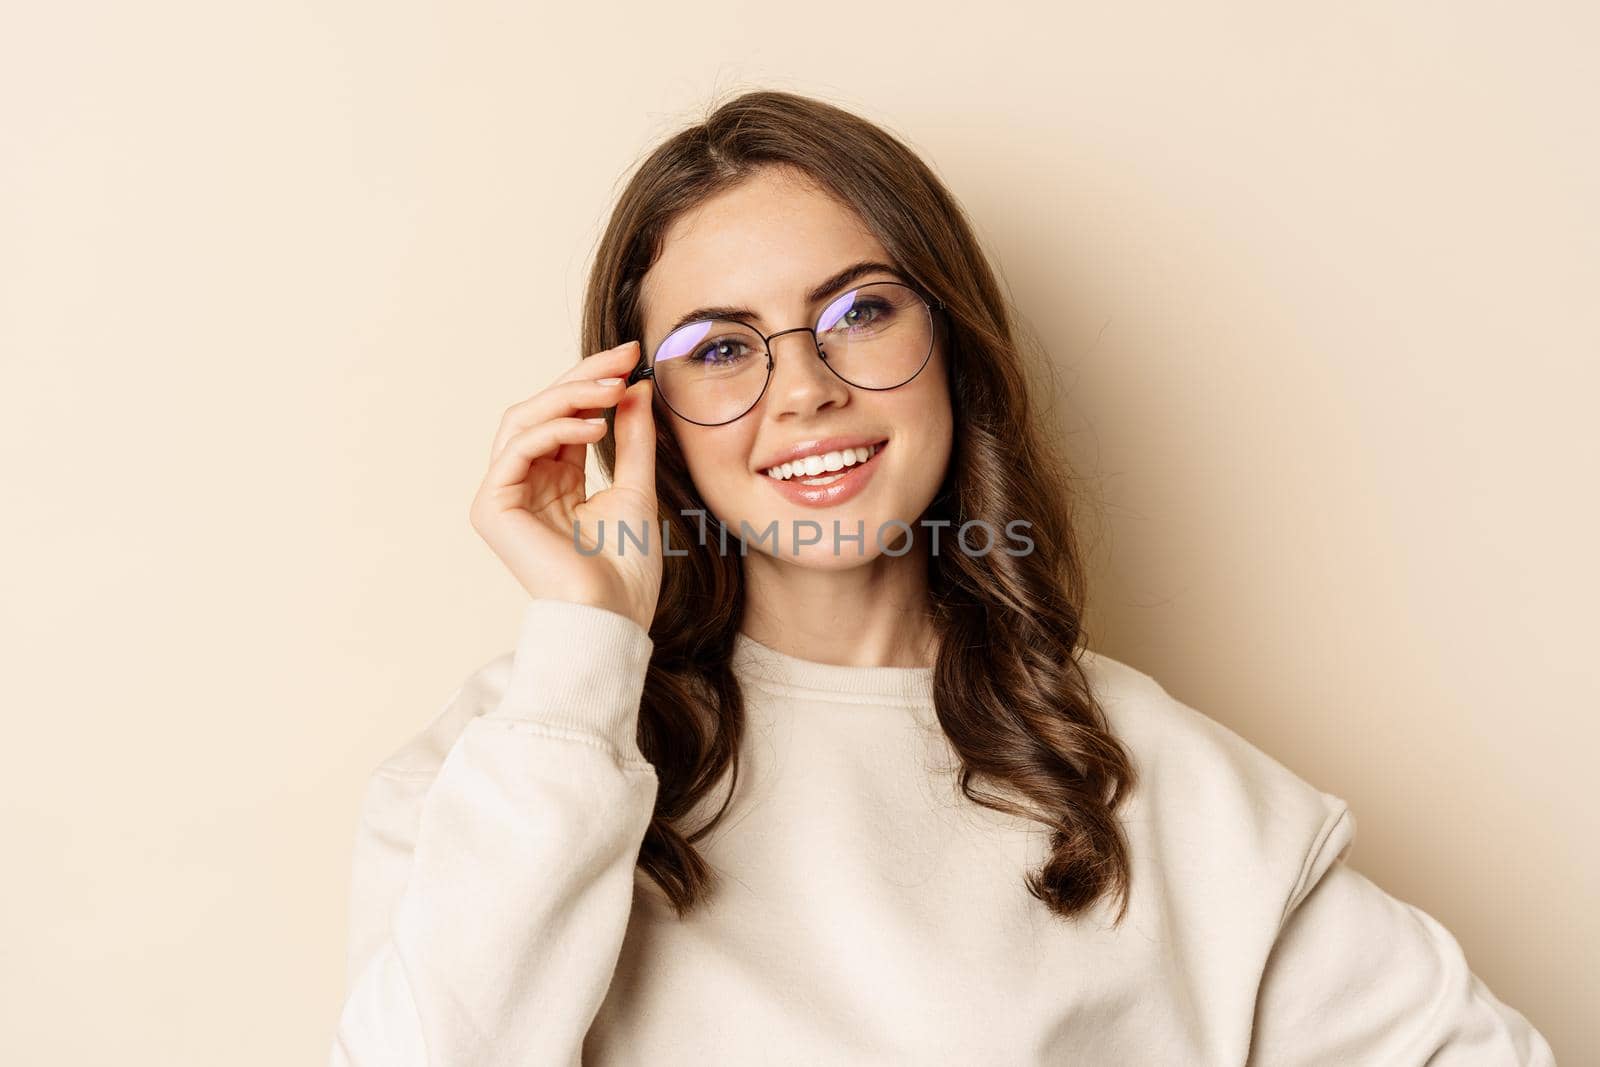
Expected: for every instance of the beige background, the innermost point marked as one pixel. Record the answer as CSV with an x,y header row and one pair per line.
x,y
1320,285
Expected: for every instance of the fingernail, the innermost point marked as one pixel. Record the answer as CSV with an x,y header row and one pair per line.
x,y
600,419
607,381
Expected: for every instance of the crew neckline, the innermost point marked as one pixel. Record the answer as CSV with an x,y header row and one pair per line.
x,y
766,666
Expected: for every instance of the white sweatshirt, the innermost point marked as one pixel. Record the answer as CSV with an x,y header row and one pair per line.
x,y
866,912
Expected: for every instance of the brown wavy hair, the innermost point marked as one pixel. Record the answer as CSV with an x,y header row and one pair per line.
x,y
1009,691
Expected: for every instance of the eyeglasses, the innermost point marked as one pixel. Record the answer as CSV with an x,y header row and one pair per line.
x,y
876,336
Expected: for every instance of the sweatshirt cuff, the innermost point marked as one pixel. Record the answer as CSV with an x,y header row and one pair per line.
x,y
581,668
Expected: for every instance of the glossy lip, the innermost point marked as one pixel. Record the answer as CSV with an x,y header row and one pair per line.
x,y
855,479
815,446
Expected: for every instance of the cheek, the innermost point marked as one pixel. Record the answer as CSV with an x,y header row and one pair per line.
x,y
925,414
716,456
926,425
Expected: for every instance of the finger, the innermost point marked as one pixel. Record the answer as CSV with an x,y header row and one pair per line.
x,y
618,360
613,362
576,454
512,465
583,399
635,427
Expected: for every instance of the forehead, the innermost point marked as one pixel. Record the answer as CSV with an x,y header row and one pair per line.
x,y
762,243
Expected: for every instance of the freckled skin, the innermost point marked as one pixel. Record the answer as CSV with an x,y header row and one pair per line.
x,y
764,244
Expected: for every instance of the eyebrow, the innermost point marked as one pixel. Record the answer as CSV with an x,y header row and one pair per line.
x,y
838,281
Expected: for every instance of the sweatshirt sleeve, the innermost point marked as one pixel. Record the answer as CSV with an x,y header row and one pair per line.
x,y
1359,977
489,896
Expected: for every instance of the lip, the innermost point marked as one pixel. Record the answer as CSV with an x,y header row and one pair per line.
x,y
816,445
854,479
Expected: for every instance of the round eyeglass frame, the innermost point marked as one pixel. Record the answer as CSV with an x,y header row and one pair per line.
x,y
648,370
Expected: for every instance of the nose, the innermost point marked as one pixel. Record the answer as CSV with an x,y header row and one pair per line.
x,y
800,383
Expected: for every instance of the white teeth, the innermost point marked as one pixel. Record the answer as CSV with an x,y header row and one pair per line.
x,y
824,461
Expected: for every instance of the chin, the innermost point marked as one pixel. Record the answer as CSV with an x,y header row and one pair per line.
x,y
822,558
825,553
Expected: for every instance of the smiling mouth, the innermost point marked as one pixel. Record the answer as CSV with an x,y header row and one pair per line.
x,y
799,471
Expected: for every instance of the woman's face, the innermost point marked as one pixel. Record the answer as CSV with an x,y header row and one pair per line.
x,y
764,245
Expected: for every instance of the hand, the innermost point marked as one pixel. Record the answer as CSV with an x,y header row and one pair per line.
x,y
533,492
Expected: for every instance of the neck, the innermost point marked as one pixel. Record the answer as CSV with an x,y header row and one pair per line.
x,y
874,614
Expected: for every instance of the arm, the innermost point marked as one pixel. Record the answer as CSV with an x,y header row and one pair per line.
x,y
1359,977
517,862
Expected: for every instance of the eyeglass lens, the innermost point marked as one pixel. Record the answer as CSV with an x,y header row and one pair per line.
x,y
875,336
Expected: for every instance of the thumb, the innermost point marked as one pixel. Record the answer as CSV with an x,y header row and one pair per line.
x,y
635,427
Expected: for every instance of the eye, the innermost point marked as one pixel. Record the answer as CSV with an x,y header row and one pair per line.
x,y
865,315
722,352
862,314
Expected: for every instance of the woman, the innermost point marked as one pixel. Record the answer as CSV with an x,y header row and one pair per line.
x,y
785,766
